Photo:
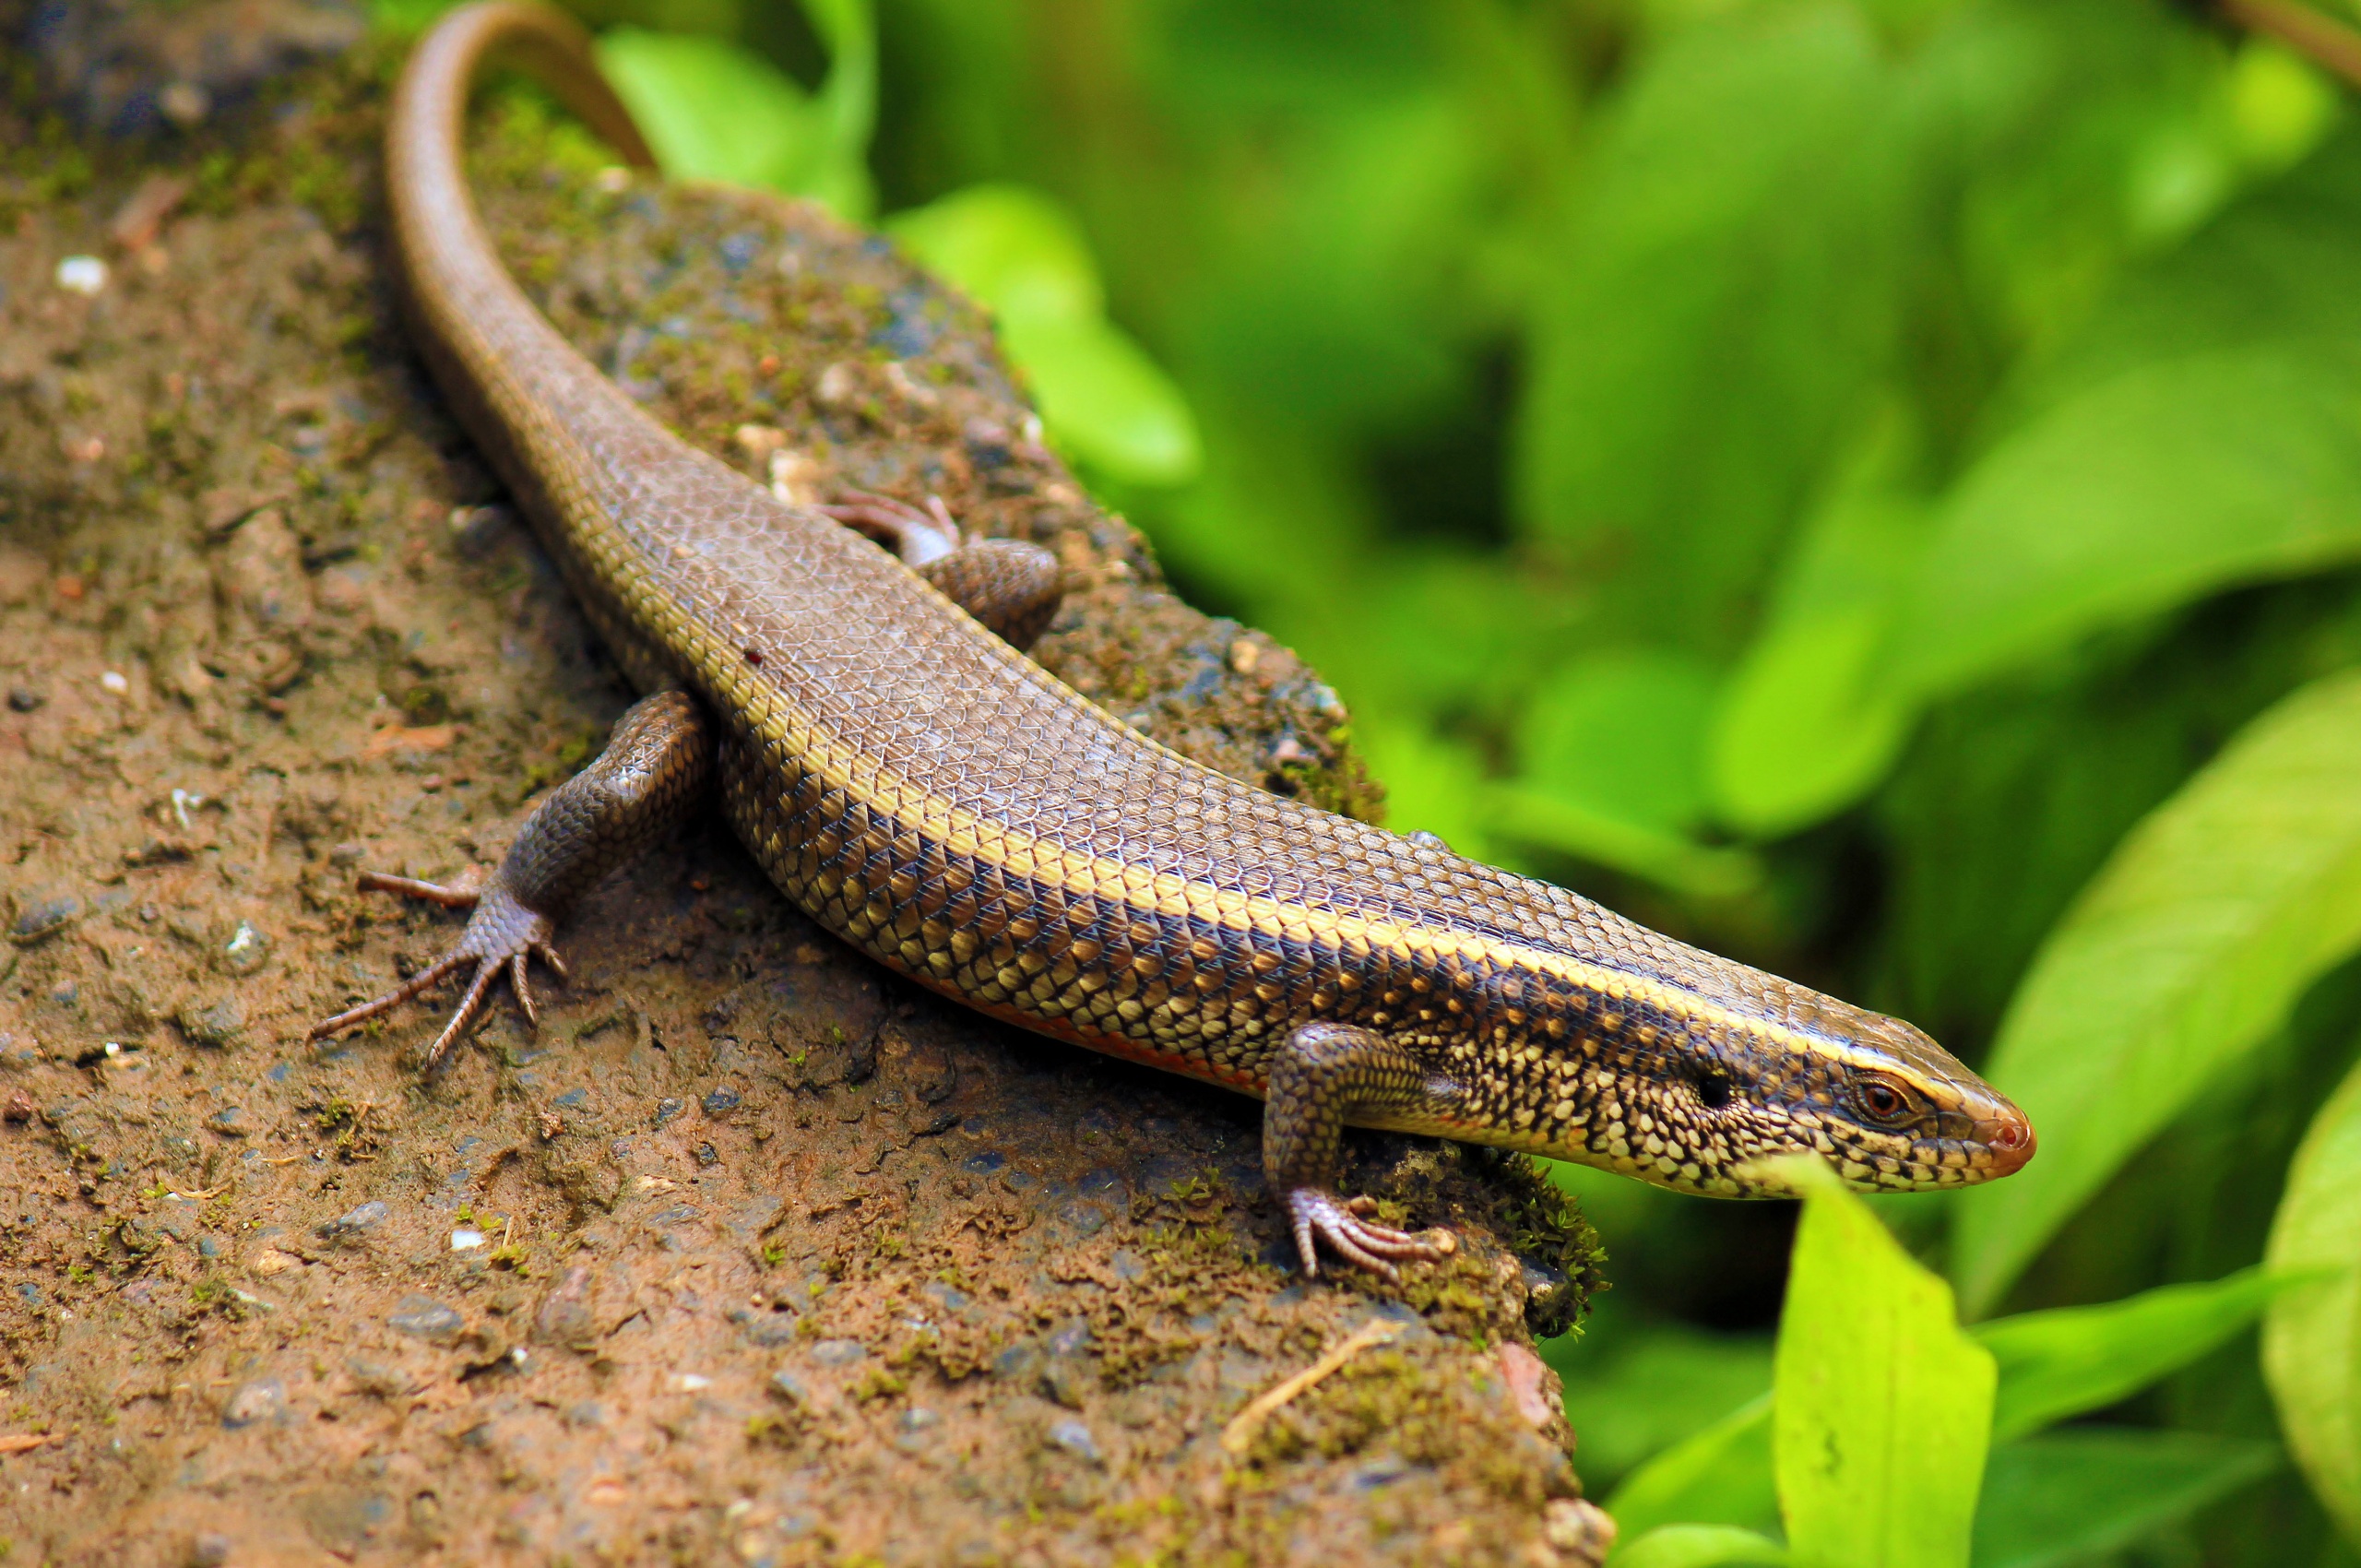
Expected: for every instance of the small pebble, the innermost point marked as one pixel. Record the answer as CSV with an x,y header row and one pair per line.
x,y
246,949
668,1109
354,1221
231,1122
427,1318
23,699
838,1352
210,1550
1076,1440
82,274
466,1241
185,105
42,918
259,1400
115,681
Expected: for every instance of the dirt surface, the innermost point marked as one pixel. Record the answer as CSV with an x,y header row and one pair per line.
x,y
752,1253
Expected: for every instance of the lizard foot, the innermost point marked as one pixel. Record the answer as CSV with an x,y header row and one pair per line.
x,y
502,933
1317,1216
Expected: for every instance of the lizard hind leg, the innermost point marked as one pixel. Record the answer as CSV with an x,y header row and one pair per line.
x,y
652,773
1013,587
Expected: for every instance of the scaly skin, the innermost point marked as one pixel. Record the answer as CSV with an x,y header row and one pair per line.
x,y
922,789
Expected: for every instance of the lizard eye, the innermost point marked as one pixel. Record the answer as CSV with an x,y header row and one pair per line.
x,y
1882,1103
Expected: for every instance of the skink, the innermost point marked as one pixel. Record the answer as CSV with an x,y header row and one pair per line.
x,y
918,786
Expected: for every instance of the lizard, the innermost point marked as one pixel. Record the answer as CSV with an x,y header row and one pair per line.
x,y
851,681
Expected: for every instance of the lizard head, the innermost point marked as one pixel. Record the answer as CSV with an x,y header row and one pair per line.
x,y
1699,1092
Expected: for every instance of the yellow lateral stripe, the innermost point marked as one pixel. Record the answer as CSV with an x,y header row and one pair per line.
x,y
1084,874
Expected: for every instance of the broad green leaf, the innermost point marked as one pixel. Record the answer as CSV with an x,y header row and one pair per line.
x,y
1430,782
715,110
2311,1339
1341,285
2207,923
2198,432
1013,248
1883,1407
1721,1475
1632,1402
2176,478
1610,767
845,105
2061,1364
1701,1546
711,109
1023,257
1807,721
1622,731
1530,815
2051,1366
1730,292
1103,398
2074,1495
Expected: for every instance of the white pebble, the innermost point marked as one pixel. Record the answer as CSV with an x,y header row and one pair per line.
x,y
466,1241
83,274
115,681
689,1382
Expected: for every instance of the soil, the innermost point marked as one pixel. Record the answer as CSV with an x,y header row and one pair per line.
x,y
751,1251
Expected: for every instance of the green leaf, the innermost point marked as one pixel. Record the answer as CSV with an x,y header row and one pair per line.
x,y
1701,1546
2061,1364
1012,248
1622,732
1024,258
1719,1476
2050,1365
2183,954
1610,752
2072,1496
1730,291
1883,1407
2175,480
1637,1391
714,110
1807,721
1576,827
2311,1339
2197,433
1103,398
1431,781
710,109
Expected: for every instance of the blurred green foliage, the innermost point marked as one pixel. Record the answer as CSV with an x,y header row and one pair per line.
x,y
1871,486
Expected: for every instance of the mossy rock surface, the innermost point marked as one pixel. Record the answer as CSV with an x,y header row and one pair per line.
x,y
753,1252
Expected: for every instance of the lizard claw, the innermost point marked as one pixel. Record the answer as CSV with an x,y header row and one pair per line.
x,y
1317,1216
501,933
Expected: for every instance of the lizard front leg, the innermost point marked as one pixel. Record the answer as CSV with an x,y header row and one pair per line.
x,y
652,773
1322,1076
